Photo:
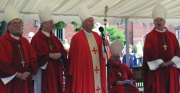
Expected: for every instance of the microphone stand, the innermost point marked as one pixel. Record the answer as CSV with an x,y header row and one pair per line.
x,y
108,70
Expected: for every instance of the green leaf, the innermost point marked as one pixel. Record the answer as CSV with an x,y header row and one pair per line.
x,y
116,34
60,25
77,26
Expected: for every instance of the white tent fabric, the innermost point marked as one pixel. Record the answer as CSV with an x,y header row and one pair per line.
x,y
67,10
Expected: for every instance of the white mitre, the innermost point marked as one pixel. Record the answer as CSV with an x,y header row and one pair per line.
x,y
84,13
10,13
159,11
45,15
116,47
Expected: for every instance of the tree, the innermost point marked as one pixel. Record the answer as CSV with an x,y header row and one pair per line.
x,y
116,34
79,26
60,25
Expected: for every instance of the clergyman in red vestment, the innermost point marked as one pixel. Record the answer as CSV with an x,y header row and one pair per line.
x,y
122,79
161,61
51,54
87,64
18,61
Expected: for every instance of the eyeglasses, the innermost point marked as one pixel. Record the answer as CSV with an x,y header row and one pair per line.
x,y
17,23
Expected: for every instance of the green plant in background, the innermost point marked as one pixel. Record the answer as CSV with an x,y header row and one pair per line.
x,y
143,47
60,25
116,34
2,28
134,50
77,26
94,27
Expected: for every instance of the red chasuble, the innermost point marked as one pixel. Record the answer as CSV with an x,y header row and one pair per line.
x,y
52,76
121,72
81,66
10,64
161,80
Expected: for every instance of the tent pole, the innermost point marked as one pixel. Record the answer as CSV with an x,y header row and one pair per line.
x,y
127,41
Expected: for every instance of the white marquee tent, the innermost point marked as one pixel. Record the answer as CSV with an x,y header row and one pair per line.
x,y
67,10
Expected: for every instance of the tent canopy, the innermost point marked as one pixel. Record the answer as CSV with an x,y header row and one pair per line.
x,y
65,9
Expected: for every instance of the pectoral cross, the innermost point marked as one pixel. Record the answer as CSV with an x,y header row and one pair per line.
x,y
50,47
23,63
119,73
165,47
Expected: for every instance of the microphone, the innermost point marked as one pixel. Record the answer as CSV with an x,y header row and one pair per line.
x,y
101,29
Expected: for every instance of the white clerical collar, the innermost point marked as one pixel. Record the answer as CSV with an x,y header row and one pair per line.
x,y
15,37
46,33
87,33
164,30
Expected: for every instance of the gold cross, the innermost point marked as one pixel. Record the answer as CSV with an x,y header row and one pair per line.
x,y
50,47
23,63
165,47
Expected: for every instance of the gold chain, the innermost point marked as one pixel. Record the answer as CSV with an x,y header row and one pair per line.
x,y
50,46
23,62
164,41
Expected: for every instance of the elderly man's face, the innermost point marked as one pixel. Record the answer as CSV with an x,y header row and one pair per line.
x,y
15,27
159,23
115,58
88,24
48,25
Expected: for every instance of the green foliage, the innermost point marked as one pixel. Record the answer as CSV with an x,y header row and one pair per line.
x,y
134,50
94,27
74,23
59,25
143,47
2,27
116,34
77,26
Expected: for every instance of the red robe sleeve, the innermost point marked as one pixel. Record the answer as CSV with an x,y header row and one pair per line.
x,y
149,55
129,74
177,47
33,65
62,51
43,56
6,68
